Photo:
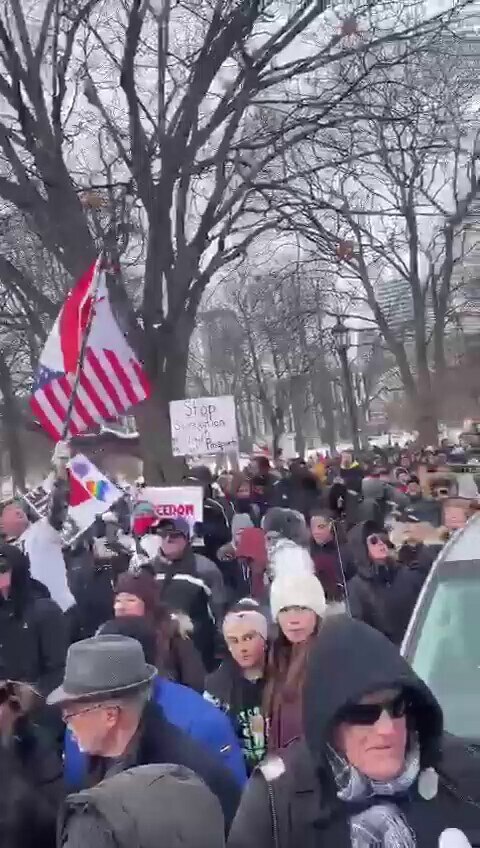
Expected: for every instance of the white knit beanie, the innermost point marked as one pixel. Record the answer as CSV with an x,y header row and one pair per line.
x,y
287,558
301,589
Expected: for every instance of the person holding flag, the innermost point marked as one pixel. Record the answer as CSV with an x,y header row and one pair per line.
x,y
87,375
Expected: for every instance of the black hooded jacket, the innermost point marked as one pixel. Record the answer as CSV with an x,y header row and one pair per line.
x,y
292,800
33,634
381,594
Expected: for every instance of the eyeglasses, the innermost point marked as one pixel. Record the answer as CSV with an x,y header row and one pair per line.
x,y
366,715
68,716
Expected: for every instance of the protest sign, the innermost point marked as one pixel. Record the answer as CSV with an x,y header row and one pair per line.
x,y
203,426
176,502
91,494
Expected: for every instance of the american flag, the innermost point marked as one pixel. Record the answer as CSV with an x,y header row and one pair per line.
x,y
110,378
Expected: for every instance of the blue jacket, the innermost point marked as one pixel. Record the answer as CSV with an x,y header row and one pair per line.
x,y
187,710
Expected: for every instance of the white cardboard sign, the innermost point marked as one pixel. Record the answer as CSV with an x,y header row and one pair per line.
x,y
176,502
203,426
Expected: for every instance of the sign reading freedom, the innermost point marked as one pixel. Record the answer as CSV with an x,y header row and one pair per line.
x,y
203,426
176,502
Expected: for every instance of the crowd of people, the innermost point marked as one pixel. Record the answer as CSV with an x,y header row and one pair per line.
x,y
238,681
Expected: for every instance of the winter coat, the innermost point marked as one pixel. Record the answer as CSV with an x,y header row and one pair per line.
x,y
184,589
262,494
352,477
330,560
372,592
235,574
33,634
93,593
187,710
184,664
299,786
241,700
211,574
217,518
35,760
143,807
159,741
299,493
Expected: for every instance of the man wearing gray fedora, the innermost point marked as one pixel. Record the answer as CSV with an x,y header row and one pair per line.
x,y
105,701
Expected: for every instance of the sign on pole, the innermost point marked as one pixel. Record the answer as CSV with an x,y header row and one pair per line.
x,y
203,426
176,502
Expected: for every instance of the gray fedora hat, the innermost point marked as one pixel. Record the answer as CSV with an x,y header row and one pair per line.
x,y
100,668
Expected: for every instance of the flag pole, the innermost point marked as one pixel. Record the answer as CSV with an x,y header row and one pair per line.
x,y
83,348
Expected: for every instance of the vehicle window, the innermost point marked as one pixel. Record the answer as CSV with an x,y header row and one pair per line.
x,y
446,650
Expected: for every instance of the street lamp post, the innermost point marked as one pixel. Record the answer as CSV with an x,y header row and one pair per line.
x,y
342,343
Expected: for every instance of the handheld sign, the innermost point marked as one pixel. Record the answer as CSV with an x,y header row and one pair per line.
x,y
176,502
203,426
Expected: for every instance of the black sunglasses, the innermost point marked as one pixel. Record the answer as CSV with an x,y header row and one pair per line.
x,y
368,714
375,539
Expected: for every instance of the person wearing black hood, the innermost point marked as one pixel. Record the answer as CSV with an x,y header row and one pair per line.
x,y
373,769
372,588
217,513
33,633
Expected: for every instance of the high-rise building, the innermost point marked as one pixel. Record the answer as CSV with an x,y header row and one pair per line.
x,y
394,297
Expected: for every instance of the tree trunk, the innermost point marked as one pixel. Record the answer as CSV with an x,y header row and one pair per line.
x,y
277,421
166,364
12,427
296,394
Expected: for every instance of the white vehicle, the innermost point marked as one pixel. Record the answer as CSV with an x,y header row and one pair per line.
x,y
442,642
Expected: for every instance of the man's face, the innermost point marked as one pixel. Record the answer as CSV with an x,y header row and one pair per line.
x,y
92,725
346,459
246,646
454,517
13,521
321,529
173,544
414,490
374,741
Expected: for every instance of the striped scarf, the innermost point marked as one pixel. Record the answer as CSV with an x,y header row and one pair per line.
x,y
381,825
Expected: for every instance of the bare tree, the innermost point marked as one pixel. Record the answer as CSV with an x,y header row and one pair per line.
x,y
392,218
173,109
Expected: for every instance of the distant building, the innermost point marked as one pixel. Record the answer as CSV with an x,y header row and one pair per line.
x,y
394,297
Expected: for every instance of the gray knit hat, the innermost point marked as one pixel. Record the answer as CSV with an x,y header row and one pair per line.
x,y
287,523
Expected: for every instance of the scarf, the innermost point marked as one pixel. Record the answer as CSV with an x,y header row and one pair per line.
x,y
381,824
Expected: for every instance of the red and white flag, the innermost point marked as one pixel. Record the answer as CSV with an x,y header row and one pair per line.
x,y
111,377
